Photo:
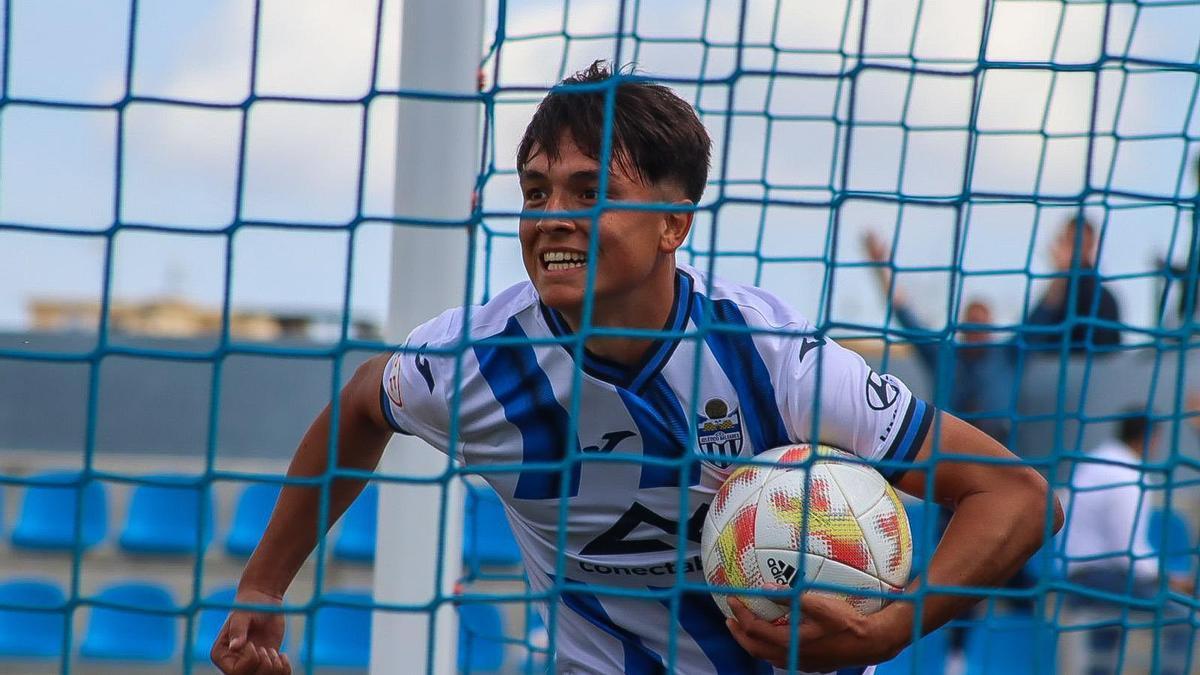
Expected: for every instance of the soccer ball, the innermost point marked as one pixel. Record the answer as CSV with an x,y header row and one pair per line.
x,y
857,535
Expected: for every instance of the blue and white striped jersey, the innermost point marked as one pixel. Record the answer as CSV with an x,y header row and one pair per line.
x,y
755,379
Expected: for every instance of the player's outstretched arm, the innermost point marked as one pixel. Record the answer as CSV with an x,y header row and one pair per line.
x,y
249,641
999,521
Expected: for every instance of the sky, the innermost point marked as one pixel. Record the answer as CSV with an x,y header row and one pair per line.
x,y
213,157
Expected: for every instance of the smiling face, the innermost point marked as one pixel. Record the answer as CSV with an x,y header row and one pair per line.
x,y
634,260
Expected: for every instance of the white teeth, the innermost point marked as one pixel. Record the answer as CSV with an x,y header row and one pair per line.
x,y
560,256
564,265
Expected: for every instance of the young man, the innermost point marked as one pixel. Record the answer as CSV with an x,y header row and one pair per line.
x,y
983,375
1077,298
756,373
1109,551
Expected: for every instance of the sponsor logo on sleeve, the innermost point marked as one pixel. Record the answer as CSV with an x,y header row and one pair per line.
x,y
808,344
882,393
391,381
422,365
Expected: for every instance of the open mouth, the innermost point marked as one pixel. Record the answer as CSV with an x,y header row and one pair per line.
x,y
563,260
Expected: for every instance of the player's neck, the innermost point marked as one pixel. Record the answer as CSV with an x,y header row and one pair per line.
x,y
647,308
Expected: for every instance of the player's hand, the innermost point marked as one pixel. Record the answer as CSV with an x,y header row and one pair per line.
x,y
248,643
833,635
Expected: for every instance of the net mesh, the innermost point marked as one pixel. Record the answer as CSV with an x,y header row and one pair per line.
x,y
241,152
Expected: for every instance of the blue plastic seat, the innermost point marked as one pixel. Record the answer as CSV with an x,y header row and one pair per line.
x,y
342,634
250,517
357,540
1010,645
129,634
487,537
480,638
31,634
927,655
167,518
47,519
1178,541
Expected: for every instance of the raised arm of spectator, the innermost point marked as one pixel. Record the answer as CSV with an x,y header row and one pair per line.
x,y
877,252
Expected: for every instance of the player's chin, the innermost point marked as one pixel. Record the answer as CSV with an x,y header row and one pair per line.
x,y
562,289
561,297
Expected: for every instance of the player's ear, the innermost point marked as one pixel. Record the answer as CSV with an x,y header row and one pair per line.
x,y
678,225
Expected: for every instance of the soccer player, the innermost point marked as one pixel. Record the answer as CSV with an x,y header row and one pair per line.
x,y
761,378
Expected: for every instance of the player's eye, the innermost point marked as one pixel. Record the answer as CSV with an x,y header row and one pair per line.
x,y
534,195
591,194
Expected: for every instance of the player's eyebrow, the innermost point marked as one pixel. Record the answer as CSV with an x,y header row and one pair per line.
x,y
582,176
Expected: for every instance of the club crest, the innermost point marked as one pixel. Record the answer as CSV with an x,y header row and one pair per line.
x,y
719,433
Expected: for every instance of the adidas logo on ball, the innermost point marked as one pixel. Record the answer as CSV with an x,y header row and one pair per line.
x,y
781,571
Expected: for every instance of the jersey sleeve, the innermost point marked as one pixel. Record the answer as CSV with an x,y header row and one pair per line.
x,y
414,392
832,393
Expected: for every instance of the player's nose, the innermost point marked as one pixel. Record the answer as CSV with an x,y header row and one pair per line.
x,y
552,219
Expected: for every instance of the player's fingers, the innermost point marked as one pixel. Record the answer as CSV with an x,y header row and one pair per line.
x,y
241,662
819,607
753,646
272,659
748,621
269,662
264,661
781,596
751,624
287,664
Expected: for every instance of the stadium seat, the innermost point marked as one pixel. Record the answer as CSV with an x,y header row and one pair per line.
x,y
357,540
1178,541
1010,645
487,537
930,656
30,634
167,518
250,518
480,638
127,634
47,519
342,634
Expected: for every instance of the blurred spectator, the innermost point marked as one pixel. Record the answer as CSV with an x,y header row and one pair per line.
x,y
1107,548
983,370
1076,297
1186,274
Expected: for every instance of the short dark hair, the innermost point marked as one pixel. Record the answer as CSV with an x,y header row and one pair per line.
x,y
1134,427
656,135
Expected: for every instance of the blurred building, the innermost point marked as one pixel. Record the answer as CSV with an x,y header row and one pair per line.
x,y
178,318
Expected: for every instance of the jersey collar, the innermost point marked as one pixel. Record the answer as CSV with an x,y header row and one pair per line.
x,y
633,378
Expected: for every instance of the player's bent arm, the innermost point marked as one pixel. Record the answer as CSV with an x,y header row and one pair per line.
x,y
249,641
292,533
998,522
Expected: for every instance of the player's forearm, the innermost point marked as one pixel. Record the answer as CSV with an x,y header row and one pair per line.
x,y
999,521
989,538
292,532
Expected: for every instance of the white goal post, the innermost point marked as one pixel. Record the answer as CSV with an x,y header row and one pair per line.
x,y
437,153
